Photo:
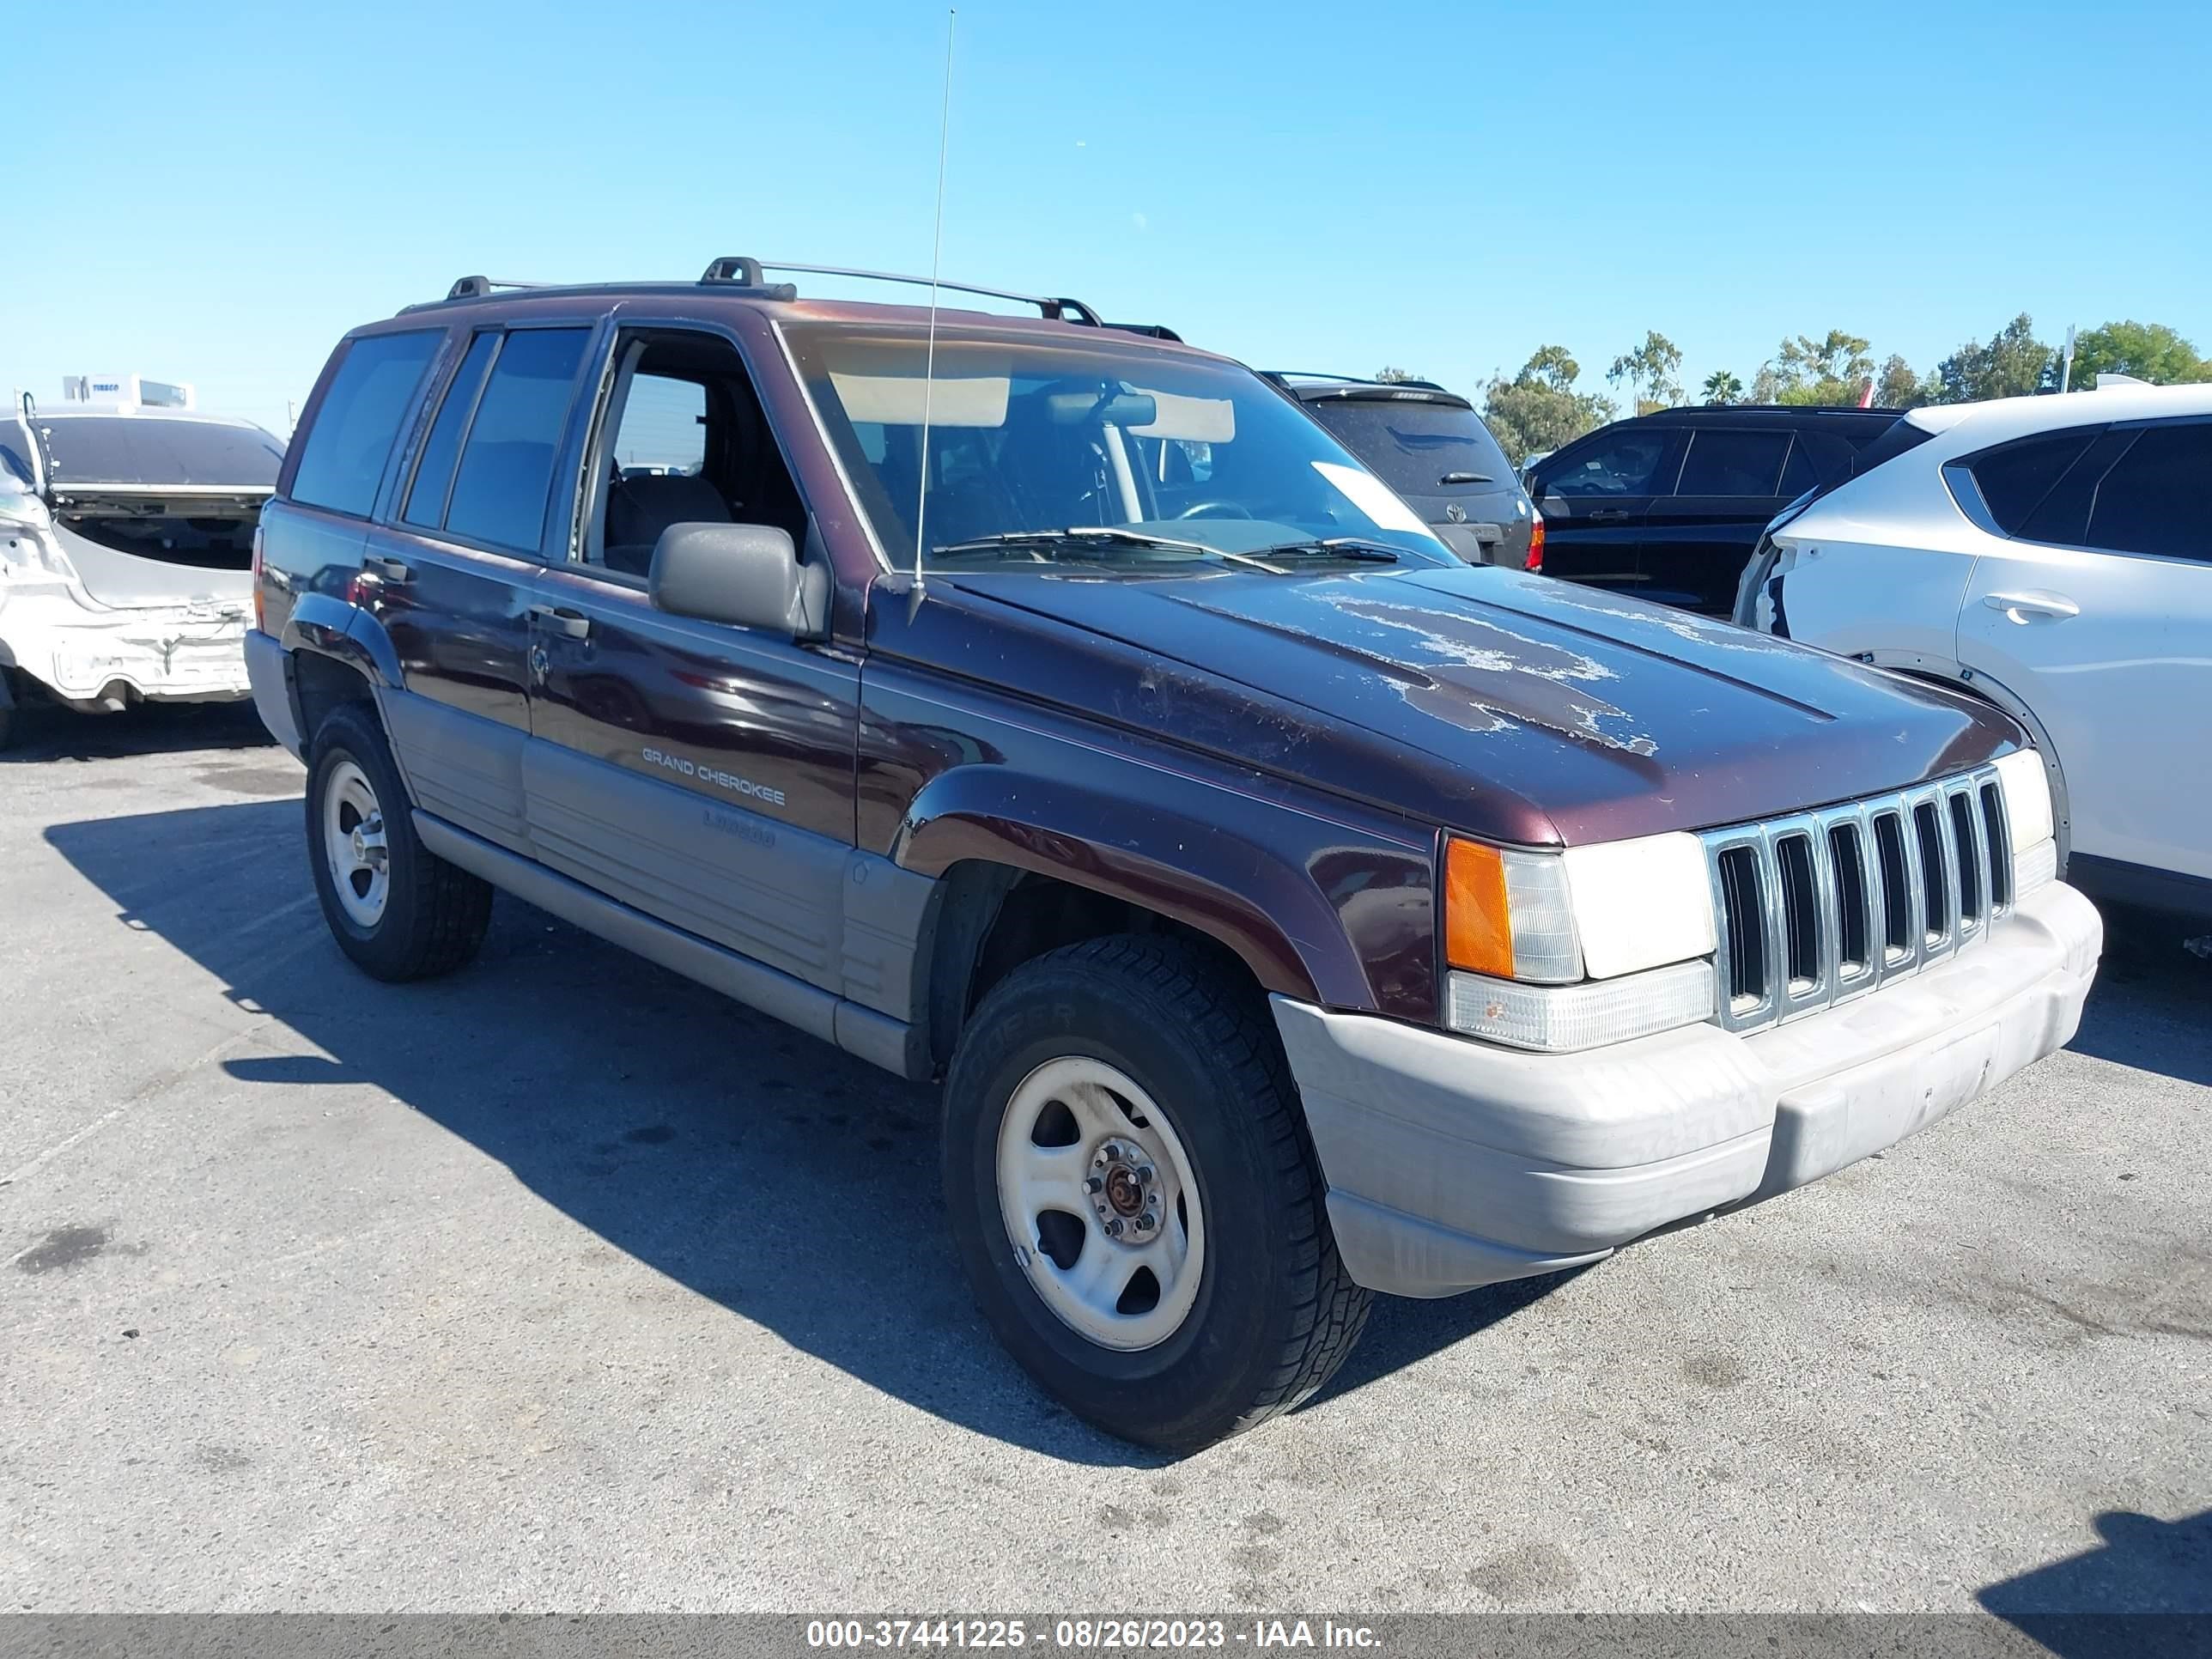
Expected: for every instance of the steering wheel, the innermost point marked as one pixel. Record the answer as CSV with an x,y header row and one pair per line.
x,y
1215,510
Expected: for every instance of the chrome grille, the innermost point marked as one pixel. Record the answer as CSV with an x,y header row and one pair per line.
x,y
1819,907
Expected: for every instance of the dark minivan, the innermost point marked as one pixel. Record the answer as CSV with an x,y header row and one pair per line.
x,y
1290,910
1431,446
1668,505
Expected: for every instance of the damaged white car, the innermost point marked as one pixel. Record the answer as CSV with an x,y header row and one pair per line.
x,y
126,547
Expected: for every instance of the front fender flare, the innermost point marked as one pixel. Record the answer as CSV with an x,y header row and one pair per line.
x,y
1251,897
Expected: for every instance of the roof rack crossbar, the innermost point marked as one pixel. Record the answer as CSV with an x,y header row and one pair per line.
x,y
1054,308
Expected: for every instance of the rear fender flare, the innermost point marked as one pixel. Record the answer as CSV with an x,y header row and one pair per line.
x,y
331,627
1235,891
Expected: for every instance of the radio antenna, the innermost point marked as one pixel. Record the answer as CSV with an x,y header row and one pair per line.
x,y
936,255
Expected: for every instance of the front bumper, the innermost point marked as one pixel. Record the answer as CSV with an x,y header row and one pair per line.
x,y
1452,1164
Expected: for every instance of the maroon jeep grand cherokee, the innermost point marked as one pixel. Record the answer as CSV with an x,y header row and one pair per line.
x,y
1292,911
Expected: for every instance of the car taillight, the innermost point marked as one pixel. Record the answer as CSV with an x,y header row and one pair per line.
x,y
1535,559
259,616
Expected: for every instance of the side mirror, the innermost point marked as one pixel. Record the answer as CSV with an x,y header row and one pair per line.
x,y
748,574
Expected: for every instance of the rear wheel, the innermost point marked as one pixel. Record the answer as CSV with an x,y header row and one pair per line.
x,y
400,912
1134,1195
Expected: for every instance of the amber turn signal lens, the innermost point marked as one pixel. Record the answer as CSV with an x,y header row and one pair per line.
x,y
1478,931
1535,560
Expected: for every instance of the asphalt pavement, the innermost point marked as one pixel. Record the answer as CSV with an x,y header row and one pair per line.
x,y
562,1284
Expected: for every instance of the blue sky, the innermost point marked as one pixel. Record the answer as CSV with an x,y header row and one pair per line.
x,y
216,192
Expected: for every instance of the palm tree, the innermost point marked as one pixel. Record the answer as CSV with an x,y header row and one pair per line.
x,y
1722,387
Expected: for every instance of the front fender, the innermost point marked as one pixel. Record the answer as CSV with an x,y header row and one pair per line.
x,y
1316,910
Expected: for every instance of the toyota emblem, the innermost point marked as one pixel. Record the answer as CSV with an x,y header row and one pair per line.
x,y
1454,514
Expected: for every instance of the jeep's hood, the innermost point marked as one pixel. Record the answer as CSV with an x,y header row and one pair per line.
x,y
1488,699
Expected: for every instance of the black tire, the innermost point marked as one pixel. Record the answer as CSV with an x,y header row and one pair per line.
x,y
433,914
1275,1313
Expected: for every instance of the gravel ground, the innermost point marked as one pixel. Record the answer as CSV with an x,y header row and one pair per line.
x,y
562,1285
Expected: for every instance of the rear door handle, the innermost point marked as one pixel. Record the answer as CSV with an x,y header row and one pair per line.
x,y
2019,607
558,619
398,572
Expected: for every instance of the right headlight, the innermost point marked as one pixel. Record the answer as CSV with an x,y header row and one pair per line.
x,y
1557,951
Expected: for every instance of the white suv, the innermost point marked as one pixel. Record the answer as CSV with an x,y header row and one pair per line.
x,y
2054,556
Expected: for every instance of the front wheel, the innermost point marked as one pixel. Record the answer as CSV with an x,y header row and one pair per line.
x,y
1134,1195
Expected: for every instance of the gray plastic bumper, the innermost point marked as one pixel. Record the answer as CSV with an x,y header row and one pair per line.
x,y
272,697
1453,1163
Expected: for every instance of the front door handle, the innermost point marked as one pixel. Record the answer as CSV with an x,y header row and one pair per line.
x,y
398,572
558,619
2020,607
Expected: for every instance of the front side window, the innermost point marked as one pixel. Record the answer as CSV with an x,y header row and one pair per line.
x,y
1178,457
2157,499
664,424
1733,463
505,477
342,456
1621,465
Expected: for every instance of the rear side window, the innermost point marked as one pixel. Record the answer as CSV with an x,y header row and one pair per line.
x,y
434,473
2015,477
343,457
505,472
1726,463
2157,498
1416,447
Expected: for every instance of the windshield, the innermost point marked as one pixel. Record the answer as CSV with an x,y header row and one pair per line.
x,y
1420,447
131,449
1031,439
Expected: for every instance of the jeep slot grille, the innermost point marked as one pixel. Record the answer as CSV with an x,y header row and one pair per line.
x,y
1821,907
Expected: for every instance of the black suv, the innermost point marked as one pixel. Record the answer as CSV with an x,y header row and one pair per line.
x,y
1431,446
1668,506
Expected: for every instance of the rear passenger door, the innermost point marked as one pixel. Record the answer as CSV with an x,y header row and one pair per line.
x,y
451,571
1595,496
2096,611
1698,540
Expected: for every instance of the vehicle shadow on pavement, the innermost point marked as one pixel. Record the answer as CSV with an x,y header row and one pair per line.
x,y
771,1173
2143,1566
45,733
2149,1008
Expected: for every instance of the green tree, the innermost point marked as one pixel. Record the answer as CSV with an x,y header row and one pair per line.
x,y
2149,351
1654,364
1539,409
2012,364
1900,387
1722,387
1387,376
1834,369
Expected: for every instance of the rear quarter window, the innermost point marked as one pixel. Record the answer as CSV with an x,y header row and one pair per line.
x,y
2015,477
343,453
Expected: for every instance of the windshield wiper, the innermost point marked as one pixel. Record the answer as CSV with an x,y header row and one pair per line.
x,y
1077,535
1357,548
1466,478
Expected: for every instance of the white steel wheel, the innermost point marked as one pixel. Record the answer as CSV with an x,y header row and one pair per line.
x,y
1101,1204
354,844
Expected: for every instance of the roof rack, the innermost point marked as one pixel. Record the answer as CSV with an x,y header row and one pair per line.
x,y
477,288
1283,376
1054,309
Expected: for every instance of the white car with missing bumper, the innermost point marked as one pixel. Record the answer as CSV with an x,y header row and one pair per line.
x,y
126,544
